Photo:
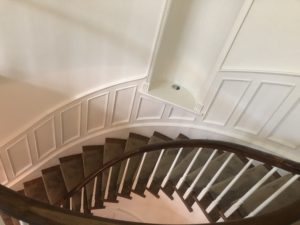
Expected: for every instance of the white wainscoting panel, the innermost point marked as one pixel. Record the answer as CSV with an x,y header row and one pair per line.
x,y
70,121
44,136
150,109
288,130
226,99
268,39
264,103
123,102
96,112
19,155
180,114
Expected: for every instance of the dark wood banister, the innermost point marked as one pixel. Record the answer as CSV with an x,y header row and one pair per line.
x,y
245,151
34,212
38,213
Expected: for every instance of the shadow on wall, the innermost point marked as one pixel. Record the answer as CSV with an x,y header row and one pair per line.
x,y
20,103
114,34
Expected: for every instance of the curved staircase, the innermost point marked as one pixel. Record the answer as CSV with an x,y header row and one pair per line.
x,y
227,181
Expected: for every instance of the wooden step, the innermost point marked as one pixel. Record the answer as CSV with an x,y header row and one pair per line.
x,y
35,189
72,172
134,142
92,157
244,184
149,163
113,149
164,167
55,185
232,168
288,196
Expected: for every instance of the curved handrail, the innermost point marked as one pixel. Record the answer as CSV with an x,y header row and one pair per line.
x,y
249,152
35,212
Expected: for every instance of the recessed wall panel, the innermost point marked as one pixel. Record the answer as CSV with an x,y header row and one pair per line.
x,y
45,138
263,105
19,156
225,101
123,103
71,123
97,109
268,40
180,114
150,109
288,130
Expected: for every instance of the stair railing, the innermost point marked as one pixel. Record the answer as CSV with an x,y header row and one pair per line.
x,y
35,212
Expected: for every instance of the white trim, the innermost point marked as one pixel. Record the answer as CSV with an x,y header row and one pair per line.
x,y
265,72
158,39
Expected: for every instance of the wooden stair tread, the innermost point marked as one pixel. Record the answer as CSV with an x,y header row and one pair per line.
x,y
72,172
134,141
113,149
92,157
54,185
35,189
149,163
290,195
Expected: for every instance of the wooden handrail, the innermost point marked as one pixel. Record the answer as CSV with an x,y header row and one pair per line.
x,y
245,151
35,212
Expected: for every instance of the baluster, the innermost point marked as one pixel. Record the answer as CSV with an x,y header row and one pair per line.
x,y
94,192
139,171
190,189
82,201
236,205
214,203
182,179
155,168
124,176
171,168
273,196
216,176
71,203
107,184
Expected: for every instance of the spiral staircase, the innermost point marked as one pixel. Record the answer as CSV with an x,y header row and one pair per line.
x,y
232,184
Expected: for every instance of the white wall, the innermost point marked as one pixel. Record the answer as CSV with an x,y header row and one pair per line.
x,y
52,51
256,90
193,36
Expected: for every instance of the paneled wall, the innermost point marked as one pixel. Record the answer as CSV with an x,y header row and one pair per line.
x,y
256,89
124,107
253,99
